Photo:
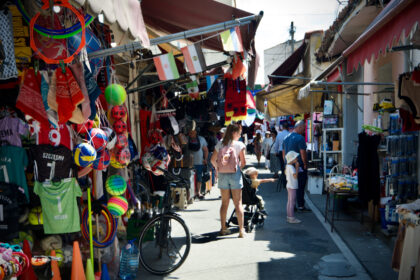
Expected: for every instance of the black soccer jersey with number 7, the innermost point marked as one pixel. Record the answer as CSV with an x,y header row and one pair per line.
x,y
51,163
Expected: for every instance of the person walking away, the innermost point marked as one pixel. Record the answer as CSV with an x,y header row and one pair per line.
x,y
278,147
198,148
258,147
296,142
274,160
252,172
292,185
229,158
266,147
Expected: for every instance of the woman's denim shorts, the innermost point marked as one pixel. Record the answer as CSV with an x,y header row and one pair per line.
x,y
232,181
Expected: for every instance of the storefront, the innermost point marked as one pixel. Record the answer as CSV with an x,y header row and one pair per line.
x,y
91,119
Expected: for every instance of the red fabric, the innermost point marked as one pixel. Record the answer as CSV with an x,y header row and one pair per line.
x,y
30,100
415,76
334,76
376,40
145,117
68,94
55,137
52,48
408,123
235,100
29,273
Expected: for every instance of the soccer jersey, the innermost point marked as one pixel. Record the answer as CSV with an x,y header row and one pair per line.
x,y
51,163
59,205
10,131
13,161
10,196
55,136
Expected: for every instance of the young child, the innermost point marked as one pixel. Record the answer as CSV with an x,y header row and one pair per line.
x,y
292,184
252,172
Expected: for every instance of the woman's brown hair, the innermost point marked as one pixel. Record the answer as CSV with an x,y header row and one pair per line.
x,y
228,137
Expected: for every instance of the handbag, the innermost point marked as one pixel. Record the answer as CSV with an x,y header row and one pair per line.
x,y
206,174
269,154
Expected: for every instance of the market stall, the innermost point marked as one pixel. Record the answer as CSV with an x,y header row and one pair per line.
x,y
91,130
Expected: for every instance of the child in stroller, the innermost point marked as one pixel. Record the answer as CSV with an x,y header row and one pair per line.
x,y
254,212
252,173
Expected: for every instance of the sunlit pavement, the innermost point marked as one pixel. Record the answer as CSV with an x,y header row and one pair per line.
x,y
277,251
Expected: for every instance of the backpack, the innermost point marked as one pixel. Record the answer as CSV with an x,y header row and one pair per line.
x,y
227,160
194,145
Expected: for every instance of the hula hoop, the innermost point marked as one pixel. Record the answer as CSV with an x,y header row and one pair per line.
x,y
111,229
54,33
69,59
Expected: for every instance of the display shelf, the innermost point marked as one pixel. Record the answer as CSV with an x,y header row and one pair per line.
x,y
324,153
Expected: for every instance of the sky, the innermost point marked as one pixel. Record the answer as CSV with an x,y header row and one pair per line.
x,y
307,15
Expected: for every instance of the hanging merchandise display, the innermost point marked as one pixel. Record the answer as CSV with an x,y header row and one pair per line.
x,y
97,138
102,160
115,94
117,205
66,4
84,154
101,213
54,33
235,101
116,185
59,207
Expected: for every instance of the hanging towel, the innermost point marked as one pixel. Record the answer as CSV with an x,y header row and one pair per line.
x,y
77,70
76,117
68,94
30,100
93,91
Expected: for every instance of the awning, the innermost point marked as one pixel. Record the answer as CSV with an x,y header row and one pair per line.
x,y
397,18
169,16
283,100
127,14
289,66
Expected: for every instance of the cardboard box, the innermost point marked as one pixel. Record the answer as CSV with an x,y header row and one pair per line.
x,y
336,145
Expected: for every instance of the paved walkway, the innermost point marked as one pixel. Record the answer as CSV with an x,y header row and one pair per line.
x,y
277,251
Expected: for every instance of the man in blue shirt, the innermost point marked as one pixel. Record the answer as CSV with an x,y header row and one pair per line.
x,y
278,147
296,142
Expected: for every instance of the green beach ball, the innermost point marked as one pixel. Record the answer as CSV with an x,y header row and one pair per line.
x,y
115,94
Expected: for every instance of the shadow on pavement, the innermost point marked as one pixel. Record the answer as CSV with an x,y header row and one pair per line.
x,y
212,236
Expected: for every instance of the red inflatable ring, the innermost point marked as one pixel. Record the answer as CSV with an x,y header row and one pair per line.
x,y
66,4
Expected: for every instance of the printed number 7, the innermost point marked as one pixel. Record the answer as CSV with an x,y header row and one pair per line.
x,y
52,171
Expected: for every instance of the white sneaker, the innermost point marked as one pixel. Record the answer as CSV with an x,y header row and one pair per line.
x,y
293,220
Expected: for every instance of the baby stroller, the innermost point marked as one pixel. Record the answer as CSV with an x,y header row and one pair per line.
x,y
252,217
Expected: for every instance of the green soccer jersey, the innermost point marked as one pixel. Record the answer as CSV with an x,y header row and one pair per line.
x,y
59,205
13,161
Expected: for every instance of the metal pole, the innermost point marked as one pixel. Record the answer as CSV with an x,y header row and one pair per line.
x,y
289,77
338,92
319,83
142,71
178,36
156,84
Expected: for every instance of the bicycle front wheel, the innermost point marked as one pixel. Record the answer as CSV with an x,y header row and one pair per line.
x,y
164,244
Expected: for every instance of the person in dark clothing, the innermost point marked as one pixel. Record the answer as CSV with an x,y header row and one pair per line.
x,y
368,168
296,142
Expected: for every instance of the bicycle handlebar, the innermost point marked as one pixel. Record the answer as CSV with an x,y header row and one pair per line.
x,y
171,176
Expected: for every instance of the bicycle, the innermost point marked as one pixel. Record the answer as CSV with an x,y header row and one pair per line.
x,y
138,183
165,240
